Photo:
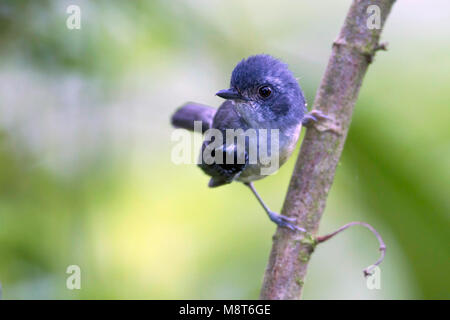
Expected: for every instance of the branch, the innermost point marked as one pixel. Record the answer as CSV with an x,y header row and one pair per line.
x,y
367,271
321,149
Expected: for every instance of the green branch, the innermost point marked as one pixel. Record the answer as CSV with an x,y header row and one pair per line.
x,y
321,149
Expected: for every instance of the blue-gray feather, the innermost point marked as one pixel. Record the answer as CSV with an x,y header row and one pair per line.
x,y
283,110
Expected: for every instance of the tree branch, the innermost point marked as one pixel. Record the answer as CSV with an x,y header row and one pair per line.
x,y
367,271
321,149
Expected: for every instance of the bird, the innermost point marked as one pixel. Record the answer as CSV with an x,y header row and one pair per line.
x,y
263,97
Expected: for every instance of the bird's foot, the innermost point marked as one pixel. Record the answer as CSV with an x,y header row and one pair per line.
x,y
284,221
314,116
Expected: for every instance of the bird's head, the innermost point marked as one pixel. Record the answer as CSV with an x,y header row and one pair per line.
x,y
265,92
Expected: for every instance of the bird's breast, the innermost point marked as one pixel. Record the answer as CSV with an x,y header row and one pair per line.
x,y
279,147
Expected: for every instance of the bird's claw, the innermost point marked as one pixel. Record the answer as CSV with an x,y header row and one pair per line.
x,y
284,221
314,116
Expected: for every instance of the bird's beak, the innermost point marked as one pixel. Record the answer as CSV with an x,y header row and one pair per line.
x,y
231,93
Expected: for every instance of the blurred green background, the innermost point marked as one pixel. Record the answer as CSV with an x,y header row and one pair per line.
x,y
86,176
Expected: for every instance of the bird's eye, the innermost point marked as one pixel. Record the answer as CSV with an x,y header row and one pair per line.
x,y
265,91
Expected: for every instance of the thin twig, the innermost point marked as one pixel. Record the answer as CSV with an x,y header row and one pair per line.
x,y
382,46
367,271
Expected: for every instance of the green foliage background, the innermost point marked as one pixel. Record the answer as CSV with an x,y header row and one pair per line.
x,y
86,176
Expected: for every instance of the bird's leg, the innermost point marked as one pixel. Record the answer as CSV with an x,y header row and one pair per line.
x,y
279,219
314,116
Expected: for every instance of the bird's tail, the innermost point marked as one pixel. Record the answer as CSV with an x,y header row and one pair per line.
x,y
185,116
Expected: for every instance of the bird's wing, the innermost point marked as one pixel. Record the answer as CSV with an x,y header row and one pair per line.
x,y
223,118
226,117
225,171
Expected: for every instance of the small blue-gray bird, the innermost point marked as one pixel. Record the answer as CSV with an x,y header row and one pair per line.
x,y
263,94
